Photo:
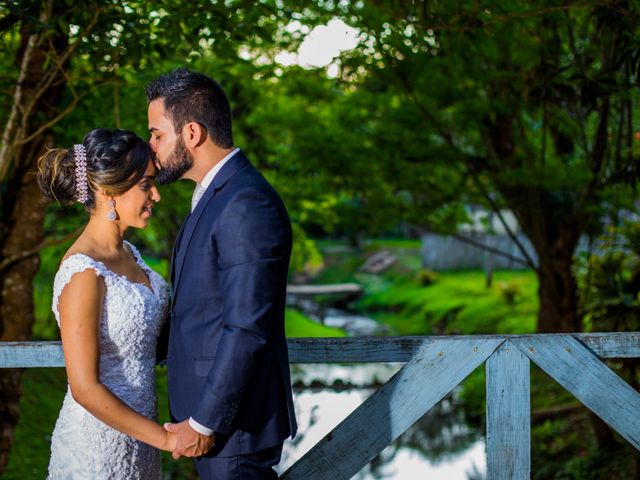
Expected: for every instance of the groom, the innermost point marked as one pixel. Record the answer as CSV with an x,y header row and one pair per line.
x,y
228,368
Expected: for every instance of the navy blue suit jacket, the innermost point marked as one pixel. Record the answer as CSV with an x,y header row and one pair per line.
x,y
227,360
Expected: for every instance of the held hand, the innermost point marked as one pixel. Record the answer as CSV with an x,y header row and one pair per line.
x,y
189,443
170,442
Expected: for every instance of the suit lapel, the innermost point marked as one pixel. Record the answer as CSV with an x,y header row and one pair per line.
x,y
176,247
236,163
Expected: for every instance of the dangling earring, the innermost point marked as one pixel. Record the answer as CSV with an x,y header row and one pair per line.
x,y
112,214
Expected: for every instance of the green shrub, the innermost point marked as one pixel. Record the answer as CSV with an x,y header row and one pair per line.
x,y
510,291
426,277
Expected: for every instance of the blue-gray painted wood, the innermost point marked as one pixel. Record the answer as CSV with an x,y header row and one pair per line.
x,y
581,372
612,345
401,349
340,350
426,379
418,386
355,349
31,354
508,414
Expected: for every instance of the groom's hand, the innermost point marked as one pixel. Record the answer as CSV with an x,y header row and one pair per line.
x,y
189,443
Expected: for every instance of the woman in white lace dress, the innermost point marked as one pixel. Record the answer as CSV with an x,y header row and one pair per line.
x,y
109,306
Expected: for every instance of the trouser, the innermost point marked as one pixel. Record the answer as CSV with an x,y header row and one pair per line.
x,y
254,466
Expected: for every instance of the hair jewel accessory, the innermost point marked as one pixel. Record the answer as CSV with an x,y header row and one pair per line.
x,y
82,186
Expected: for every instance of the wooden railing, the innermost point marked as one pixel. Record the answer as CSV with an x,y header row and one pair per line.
x,y
435,366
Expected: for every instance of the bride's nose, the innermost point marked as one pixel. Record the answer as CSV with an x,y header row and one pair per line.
x,y
155,194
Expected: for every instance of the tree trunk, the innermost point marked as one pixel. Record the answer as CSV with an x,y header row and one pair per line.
x,y
22,207
558,294
16,299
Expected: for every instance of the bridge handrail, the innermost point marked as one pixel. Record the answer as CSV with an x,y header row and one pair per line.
x,y
34,354
435,365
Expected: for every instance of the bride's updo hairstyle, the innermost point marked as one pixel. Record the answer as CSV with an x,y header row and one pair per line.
x,y
112,161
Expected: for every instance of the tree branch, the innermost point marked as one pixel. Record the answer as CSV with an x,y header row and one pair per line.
x,y
493,250
496,208
12,121
599,151
408,88
9,261
59,61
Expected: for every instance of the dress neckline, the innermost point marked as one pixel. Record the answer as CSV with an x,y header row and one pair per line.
x,y
150,288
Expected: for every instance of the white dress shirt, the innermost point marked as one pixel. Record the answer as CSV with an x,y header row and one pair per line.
x,y
208,178
197,195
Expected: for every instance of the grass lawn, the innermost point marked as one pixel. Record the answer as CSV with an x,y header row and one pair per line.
x,y
456,303
298,325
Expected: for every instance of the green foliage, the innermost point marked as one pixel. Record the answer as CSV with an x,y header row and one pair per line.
x,y
528,106
510,291
458,303
426,277
42,392
610,281
305,255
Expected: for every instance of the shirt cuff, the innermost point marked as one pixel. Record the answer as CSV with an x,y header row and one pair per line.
x,y
200,428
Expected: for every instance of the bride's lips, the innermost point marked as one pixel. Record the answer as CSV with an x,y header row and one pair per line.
x,y
147,211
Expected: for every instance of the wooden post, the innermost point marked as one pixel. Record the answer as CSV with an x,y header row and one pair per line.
x,y
508,414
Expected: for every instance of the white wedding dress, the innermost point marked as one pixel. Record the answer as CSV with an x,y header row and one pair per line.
x,y
82,447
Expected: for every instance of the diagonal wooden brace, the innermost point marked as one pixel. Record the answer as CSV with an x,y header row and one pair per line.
x,y
434,371
582,373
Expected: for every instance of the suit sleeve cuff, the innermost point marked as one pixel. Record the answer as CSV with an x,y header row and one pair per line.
x,y
200,428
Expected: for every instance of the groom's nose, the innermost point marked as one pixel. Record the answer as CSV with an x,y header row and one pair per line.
x,y
154,157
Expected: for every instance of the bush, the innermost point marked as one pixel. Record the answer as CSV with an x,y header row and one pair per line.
x,y
510,291
426,277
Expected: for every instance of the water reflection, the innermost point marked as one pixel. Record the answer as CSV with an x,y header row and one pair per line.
x,y
439,445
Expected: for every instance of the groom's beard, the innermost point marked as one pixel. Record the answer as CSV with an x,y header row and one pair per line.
x,y
176,164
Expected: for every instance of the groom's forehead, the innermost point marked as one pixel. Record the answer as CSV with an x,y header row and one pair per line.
x,y
156,107
157,117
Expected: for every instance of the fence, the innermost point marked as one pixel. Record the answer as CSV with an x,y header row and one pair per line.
x,y
435,366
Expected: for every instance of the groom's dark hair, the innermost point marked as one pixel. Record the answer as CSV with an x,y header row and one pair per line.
x,y
194,97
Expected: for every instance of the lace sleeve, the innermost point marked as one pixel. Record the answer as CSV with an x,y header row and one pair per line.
x,y
68,268
134,250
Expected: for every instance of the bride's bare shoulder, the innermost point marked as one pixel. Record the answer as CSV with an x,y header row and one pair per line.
x,y
80,247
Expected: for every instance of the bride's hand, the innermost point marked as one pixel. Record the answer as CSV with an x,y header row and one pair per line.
x,y
170,441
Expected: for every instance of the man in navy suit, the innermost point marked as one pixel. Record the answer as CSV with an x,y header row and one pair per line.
x,y
227,361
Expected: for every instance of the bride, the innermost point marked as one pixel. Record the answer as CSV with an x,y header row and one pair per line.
x,y
109,306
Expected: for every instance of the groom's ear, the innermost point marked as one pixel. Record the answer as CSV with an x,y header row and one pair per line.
x,y
195,134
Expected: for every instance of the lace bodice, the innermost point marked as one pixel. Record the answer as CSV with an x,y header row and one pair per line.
x,y
132,314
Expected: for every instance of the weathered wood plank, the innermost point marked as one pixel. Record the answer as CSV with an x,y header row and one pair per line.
x,y
31,354
582,373
327,289
419,385
508,414
401,349
612,345
351,350
355,349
